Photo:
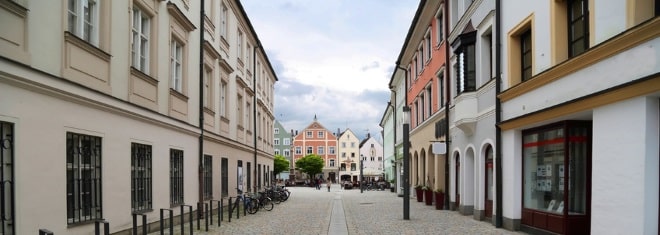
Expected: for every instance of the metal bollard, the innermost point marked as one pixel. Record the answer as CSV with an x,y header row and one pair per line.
x,y
97,227
144,223
206,217
231,209
211,214
190,219
171,221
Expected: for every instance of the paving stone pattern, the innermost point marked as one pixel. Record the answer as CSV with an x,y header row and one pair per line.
x,y
310,211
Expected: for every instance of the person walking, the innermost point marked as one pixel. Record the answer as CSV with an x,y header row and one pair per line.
x,y
329,182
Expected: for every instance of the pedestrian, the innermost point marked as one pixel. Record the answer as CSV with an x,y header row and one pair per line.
x,y
329,184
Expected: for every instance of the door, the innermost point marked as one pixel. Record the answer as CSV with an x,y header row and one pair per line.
x,y
458,181
488,207
7,178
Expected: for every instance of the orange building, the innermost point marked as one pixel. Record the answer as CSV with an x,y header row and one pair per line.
x,y
315,139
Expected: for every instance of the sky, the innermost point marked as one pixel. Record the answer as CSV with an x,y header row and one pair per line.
x,y
333,58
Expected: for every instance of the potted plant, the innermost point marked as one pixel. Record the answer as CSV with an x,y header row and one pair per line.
x,y
439,199
428,195
419,193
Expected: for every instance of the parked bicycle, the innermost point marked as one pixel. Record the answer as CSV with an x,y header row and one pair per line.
x,y
250,204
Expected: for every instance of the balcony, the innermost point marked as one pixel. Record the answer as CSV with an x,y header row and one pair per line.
x,y
466,112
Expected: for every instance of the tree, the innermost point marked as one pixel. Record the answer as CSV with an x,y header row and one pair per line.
x,y
280,165
311,164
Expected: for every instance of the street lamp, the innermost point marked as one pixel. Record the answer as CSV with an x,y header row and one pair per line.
x,y
406,162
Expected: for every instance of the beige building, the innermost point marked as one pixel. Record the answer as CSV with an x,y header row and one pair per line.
x,y
102,105
348,146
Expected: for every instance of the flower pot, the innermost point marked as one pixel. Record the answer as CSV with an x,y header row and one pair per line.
x,y
428,196
419,194
439,200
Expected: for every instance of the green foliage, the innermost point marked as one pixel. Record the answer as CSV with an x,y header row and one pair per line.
x,y
280,165
311,164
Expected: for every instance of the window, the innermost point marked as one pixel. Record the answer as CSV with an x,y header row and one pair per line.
x,y
83,16
526,55
239,46
372,158
427,46
332,162
276,131
286,141
352,155
352,144
248,108
343,155
310,150
331,150
309,134
176,54
277,152
223,99
141,198
248,61
224,172
353,166
556,163
208,177
320,134
176,177
320,150
298,150
287,153
83,174
441,89
208,92
439,21
239,110
578,27
422,104
223,21
343,144
140,40
466,69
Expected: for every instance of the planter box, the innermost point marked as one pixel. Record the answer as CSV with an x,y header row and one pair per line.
x,y
439,200
419,194
428,196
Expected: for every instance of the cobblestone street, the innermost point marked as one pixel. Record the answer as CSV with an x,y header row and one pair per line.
x,y
311,211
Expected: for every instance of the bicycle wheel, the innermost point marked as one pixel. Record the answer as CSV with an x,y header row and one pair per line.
x,y
284,196
267,204
253,206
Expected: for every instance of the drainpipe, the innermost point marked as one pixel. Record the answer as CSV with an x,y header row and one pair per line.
x,y
498,117
200,169
254,110
448,95
394,140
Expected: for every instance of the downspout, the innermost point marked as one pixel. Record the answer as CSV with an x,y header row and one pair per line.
x,y
498,117
254,110
394,140
448,95
200,169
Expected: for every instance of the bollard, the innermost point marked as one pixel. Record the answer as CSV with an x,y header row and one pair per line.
x,y
106,227
171,221
206,217
144,223
219,211
190,219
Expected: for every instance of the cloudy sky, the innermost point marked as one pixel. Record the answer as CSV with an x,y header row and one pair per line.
x,y
333,58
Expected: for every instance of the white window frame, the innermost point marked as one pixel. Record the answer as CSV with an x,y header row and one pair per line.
x,y
86,28
176,65
276,141
310,150
320,150
331,150
320,134
140,40
223,98
439,21
277,131
223,21
286,141
298,150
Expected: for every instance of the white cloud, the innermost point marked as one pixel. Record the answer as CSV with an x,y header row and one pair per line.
x,y
340,52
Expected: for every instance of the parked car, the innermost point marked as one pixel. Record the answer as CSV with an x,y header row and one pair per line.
x,y
347,185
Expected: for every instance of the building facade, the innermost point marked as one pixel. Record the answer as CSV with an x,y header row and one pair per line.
x,y
316,139
472,112
580,116
144,106
371,154
282,146
348,154
423,59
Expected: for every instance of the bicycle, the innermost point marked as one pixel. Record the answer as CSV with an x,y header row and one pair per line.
x,y
264,202
250,204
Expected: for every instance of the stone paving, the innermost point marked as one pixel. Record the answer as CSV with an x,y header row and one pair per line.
x,y
311,211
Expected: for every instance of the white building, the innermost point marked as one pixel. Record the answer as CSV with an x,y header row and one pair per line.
x,y
101,109
580,116
371,154
348,150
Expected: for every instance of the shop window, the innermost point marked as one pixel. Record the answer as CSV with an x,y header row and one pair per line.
x,y
556,177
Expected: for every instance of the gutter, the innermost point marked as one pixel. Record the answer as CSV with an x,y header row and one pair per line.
x,y
254,109
498,117
447,100
200,168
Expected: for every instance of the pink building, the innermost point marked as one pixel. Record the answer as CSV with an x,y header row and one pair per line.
x,y
316,139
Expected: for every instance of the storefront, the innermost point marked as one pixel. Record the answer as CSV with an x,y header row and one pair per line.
x,y
557,177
